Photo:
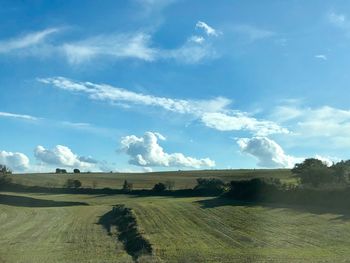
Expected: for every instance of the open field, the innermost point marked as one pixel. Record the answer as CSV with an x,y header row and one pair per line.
x,y
63,228
182,179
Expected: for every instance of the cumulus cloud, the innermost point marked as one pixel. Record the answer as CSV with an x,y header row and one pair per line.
x,y
146,151
26,41
15,161
62,156
268,153
214,113
17,116
208,29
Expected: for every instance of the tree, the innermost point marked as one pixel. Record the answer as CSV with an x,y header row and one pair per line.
x,y
314,172
210,185
159,187
71,183
127,187
5,173
76,171
61,171
5,170
170,185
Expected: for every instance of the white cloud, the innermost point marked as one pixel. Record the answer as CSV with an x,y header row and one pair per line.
x,y
26,41
253,33
17,116
62,156
268,153
15,161
321,56
213,113
240,121
145,151
117,46
208,29
197,39
339,20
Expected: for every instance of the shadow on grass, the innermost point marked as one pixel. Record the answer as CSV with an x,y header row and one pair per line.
x,y
125,221
342,212
23,201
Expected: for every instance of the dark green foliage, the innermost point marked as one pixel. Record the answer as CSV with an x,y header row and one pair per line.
x,y
4,170
71,183
170,185
210,186
313,172
127,187
76,171
341,171
159,187
128,233
253,190
61,171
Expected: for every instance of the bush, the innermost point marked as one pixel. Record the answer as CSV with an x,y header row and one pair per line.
x,y
210,186
127,187
313,172
159,187
76,171
70,183
253,190
61,171
4,170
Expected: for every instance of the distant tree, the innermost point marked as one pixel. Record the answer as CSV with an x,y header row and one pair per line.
x,y
313,172
94,184
127,187
71,183
159,187
170,185
341,171
61,171
5,170
76,171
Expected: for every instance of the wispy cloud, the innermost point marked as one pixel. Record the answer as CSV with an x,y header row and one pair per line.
x,y
338,19
321,56
329,124
116,46
210,31
253,33
17,116
214,113
26,41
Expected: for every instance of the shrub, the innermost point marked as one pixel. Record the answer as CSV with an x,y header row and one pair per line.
x,y
159,187
71,183
76,171
127,187
61,171
313,172
170,185
210,185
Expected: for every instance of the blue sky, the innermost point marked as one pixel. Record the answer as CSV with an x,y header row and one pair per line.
x,y
167,85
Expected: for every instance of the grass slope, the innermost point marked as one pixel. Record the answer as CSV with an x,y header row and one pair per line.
x,y
180,230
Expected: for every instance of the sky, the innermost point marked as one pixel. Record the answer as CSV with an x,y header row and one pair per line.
x,y
152,85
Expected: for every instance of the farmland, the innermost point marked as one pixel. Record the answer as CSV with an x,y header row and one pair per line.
x,y
46,227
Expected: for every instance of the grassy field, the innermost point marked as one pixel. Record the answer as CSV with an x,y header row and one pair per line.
x,y
63,228
182,179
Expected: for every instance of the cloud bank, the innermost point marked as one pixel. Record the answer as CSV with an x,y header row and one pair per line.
x,y
146,151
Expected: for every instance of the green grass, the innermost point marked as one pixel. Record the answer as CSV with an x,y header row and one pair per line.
x,y
182,179
195,229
